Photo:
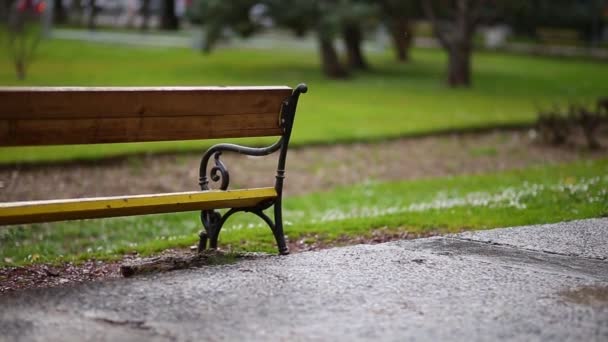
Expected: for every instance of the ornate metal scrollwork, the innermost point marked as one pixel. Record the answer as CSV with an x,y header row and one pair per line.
x,y
220,167
223,172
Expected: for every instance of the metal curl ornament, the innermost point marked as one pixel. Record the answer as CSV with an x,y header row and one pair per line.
x,y
217,150
222,170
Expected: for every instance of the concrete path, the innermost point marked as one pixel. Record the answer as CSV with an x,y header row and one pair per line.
x,y
529,283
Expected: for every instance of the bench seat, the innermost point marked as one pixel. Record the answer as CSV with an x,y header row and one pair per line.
x,y
98,207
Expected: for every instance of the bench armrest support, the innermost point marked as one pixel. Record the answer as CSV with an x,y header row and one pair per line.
x,y
220,171
224,176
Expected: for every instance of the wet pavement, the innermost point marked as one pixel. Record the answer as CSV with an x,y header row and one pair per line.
x,y
528,283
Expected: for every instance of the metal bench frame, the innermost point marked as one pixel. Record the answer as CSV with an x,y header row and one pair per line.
x,y
213,220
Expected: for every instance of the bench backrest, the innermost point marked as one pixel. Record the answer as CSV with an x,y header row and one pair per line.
x,y
53,116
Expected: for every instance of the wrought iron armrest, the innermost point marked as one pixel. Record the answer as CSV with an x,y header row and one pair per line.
x,y
220,167
220,171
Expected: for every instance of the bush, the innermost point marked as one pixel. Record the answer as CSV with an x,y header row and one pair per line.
x,y
557,126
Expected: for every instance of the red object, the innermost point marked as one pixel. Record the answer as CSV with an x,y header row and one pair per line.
x,y
40,7
37,7
22,5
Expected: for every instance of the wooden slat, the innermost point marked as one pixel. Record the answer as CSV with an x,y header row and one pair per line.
x,y
109,130
47,116
86,208
103,102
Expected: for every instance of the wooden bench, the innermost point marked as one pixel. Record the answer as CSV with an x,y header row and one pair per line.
x,y
557,36
63,116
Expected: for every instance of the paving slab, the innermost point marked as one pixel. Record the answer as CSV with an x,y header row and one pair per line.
x,y
444,288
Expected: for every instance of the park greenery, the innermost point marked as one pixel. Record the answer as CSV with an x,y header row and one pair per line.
x,y
454,23
392,100
369,96
537,195
24,34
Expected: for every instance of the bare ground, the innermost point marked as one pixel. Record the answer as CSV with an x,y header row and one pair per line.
x,y
309,169
44,276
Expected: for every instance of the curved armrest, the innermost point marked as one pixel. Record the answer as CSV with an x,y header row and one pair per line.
x,y
217,150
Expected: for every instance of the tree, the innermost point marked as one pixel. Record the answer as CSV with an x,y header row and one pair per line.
x,y
24,33
168,19
527,16
59,12
328,19
454,24
355,16
93,11
320,16
397,15
5,9
217,15
144,10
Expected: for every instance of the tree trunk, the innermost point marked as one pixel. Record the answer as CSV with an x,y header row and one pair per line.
x,y
5,6
402,35
92,14
211,35
145,14
457,38
169,20
352,38
459,66
329,60
75,12
59,12
20,68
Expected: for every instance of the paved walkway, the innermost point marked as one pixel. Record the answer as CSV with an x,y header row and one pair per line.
x,y
528,283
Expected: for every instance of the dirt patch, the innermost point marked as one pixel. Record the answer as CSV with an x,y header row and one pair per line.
x,y
588,295
42,276
315,242
308,169
14,279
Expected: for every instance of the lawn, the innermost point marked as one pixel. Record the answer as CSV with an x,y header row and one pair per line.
x,y
392,100
536,195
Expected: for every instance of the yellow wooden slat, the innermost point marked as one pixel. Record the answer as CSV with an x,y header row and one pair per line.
x,y
82,208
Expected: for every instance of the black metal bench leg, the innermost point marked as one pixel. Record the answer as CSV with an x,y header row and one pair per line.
x,y
277,230
213,222
276,227
202,241
210,219
213,238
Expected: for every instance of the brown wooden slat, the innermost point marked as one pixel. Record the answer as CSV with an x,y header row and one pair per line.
x,y
109,130
95,102
46,116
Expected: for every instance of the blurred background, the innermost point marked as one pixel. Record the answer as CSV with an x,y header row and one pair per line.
x,y
423,117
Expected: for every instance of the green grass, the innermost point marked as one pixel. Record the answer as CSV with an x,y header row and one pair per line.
x,y
393,100
537,195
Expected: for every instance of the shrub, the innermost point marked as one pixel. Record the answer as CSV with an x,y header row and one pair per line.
x,y
556,126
